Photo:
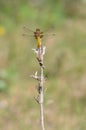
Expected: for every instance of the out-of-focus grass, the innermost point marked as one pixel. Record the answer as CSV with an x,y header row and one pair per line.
x,y
65,70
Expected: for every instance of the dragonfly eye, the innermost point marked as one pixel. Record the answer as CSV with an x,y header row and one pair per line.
x,y
37,30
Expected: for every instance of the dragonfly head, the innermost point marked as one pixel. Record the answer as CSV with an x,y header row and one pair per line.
x,y
37,33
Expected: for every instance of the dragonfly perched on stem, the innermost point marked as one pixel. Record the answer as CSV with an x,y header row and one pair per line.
x,y
37,34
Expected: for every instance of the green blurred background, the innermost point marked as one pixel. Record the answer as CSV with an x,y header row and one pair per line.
x,y
65,61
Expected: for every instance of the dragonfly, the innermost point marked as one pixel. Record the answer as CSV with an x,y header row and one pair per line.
x,y
37,34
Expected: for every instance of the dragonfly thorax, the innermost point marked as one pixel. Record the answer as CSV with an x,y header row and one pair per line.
x,y
37,33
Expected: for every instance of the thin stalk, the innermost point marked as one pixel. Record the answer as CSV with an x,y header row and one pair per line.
x,y
41,100
40,89
42,116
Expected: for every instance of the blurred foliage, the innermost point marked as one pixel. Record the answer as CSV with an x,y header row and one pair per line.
x,y
45,13
7,76
65,64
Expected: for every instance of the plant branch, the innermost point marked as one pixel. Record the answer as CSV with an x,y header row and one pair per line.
x,y
40,98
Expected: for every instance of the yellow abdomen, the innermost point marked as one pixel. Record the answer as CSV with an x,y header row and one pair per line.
x,y
38,42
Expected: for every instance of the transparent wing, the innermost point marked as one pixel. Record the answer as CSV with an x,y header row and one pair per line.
x,y
30,32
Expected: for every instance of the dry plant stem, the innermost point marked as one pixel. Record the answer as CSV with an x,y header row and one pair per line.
x,y
42,116
41,101
41,94
40,53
